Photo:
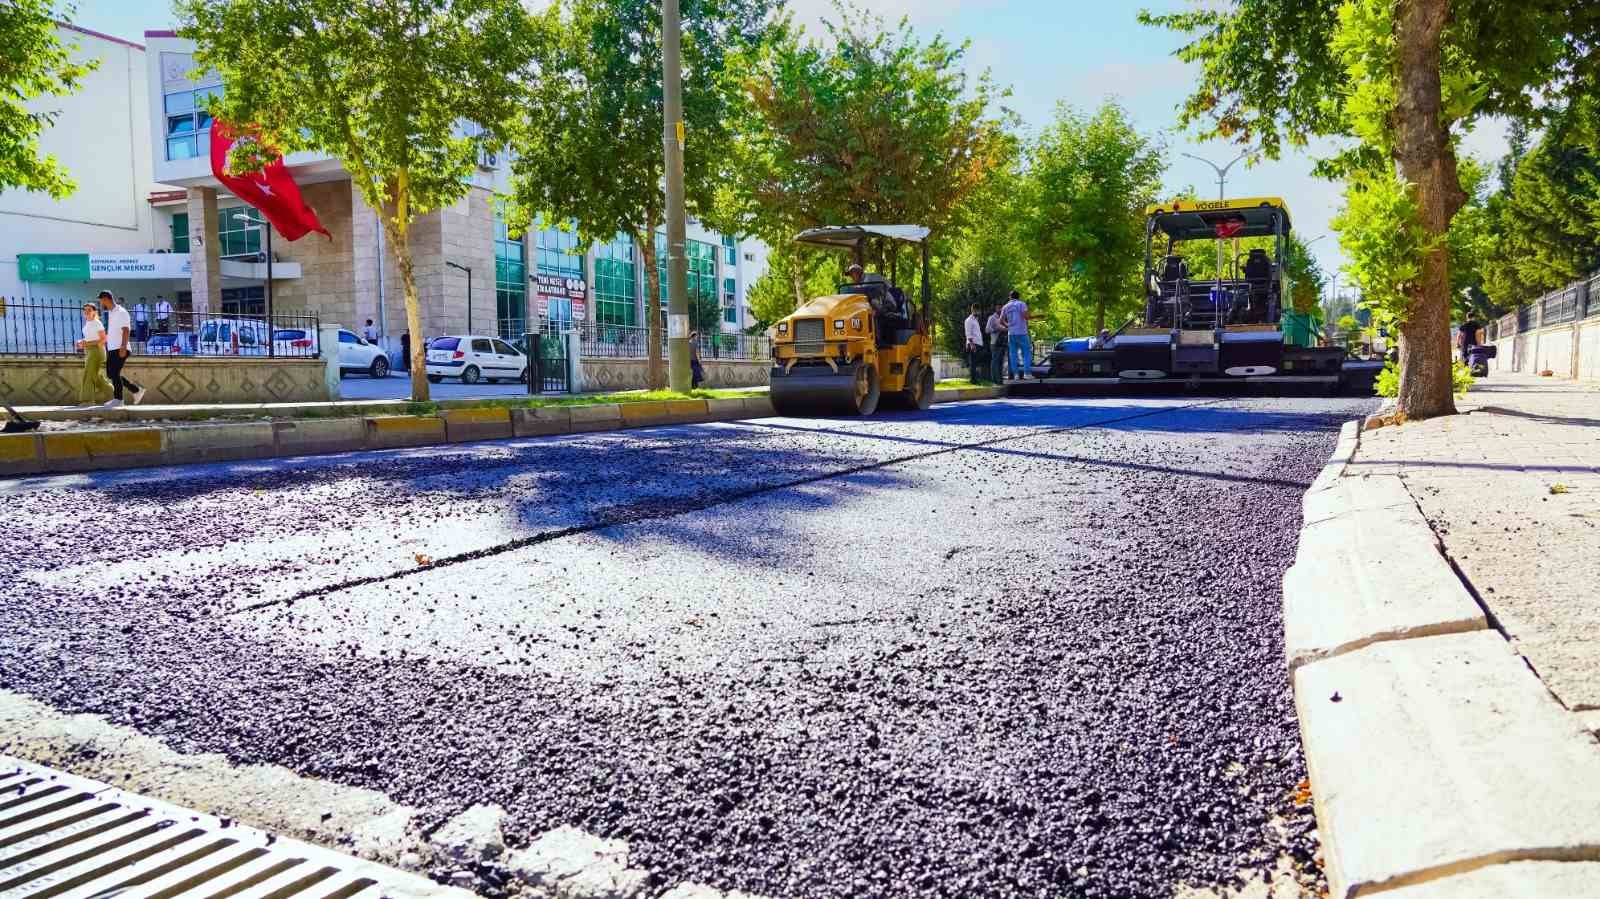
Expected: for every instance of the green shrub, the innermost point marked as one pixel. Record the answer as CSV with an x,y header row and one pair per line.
x,y
1388,384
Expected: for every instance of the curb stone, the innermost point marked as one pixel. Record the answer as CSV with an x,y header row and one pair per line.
x,y
1434,756
1440,765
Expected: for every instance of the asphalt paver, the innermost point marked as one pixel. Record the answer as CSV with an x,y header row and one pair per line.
x,y
1011,648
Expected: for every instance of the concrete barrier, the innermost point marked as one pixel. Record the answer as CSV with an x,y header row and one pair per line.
x,y
462,425
310,437
686,410
725,409
21,454
541,422
399,431
643,414
758,406
220,443
606,417
95,450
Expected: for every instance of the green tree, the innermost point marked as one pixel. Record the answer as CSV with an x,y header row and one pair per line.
x,y
1545,218
793,276
589,149
383,87
871,124
34,64
1088,180
985,278
1403,77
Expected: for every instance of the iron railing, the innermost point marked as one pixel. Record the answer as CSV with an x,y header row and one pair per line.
x,y
54,327
598,340
1593,295
1560,306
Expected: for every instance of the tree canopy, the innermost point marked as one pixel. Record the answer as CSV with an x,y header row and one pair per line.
x,y
1087,183
589,146
406,94
34,64
870,124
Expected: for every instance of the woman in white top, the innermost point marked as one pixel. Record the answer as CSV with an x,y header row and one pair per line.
x,y
94,388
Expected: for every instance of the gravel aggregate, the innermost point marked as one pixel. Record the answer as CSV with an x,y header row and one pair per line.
x,y
1012,648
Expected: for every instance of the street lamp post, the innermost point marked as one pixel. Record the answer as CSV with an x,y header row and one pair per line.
x,y
266,228
468,270
678,364
1222,194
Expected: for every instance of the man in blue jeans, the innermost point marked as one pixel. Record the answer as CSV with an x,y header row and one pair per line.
x,y
1015,314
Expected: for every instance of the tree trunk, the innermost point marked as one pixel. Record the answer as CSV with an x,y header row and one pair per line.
x,y
1427,160
398,230
655,371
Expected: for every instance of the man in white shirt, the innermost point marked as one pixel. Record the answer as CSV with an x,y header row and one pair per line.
x,y
974,343
996,327
370,332
163,316
1016,317
119,333
141,321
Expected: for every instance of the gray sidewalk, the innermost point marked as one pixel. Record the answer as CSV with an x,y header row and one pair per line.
x,y
1512,489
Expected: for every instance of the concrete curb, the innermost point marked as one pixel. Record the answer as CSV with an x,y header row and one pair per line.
x,y
1436,756
74,451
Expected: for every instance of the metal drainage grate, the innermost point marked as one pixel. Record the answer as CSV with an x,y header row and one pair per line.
x,y
66,836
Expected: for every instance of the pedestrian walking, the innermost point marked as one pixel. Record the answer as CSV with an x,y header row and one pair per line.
x,y
697,371
996,329
370,332
405,350
1019,348
163,316
93,388
119,328
974,344
141,321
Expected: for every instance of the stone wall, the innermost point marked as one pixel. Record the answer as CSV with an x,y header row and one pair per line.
x,y
326,284
629,374
1566,350
53,380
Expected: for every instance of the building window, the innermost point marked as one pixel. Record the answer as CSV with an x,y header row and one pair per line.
x,y
615,280
510,282
557,253
702,270
188,129
236,238
180,232
730,250
730,301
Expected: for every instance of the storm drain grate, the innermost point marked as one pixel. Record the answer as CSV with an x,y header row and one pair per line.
x,y
74,838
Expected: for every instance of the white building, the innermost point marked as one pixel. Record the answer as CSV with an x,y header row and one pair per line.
x,y
71,249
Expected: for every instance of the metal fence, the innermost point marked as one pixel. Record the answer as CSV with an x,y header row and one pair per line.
x,y
54,327
1559,307
603,341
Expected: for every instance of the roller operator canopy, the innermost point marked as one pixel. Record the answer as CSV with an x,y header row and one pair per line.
x,y
1212,219
847,237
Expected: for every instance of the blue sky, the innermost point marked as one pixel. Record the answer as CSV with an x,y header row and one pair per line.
x,y
1046,51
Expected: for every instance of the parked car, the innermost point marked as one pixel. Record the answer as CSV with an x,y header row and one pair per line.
x,y
183,343
233,337
474,358
355,353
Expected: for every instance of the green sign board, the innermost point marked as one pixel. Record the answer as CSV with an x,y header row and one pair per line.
x,y
46,267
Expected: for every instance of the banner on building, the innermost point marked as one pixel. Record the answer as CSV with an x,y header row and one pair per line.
x,y
567,290
44,268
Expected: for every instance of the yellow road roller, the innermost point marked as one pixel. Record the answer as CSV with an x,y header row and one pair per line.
x,y
843,353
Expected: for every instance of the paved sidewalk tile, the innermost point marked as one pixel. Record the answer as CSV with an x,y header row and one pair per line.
x,y
1513,490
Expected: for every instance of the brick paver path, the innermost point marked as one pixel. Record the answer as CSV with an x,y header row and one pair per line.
x,y
1513,490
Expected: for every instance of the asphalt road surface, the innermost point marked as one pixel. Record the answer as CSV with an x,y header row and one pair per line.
x,y
1010,648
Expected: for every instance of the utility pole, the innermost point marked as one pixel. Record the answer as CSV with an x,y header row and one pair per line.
x,y
266,229
468,269
679,376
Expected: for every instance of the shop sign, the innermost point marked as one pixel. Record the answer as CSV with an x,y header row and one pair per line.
x,y
561,287
51,267
109,266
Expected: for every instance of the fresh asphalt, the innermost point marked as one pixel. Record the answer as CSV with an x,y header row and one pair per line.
x,y
1007,648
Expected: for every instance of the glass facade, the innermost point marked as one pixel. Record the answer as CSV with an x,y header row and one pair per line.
x,y
510,282
730,250
236,238
188,125
702,269
557,252
615,283
730,301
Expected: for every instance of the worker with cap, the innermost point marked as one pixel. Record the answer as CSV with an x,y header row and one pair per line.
x,y
855,273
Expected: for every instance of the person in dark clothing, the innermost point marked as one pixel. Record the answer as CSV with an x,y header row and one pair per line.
x,y
405,351
696,369
1467,337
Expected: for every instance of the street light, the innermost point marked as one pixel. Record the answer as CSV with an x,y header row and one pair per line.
x,y
1222,171
468,270
266,227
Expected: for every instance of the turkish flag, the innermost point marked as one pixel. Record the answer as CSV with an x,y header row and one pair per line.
x,y
1229,227
270,190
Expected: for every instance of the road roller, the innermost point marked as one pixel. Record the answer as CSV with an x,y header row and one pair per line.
x,y
867,345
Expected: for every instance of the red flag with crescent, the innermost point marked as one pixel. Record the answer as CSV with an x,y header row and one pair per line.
x,y
271,190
